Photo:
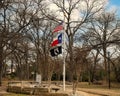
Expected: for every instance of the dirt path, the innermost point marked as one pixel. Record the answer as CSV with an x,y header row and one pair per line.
x,y
69,91
3,90
81,93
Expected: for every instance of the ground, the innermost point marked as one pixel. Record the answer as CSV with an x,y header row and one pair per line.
x,y
83,90
79,93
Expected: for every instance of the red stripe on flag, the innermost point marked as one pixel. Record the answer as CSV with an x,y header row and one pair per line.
x,y
54,43
58,28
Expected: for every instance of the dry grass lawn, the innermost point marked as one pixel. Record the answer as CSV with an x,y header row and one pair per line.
x,y
92,89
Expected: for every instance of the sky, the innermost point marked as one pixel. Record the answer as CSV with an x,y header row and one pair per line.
x,y
115,4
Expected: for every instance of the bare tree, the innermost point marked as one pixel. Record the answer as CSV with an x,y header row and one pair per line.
x,y
5,35
102,34
80,56
95,62
15,19
86,9
114,63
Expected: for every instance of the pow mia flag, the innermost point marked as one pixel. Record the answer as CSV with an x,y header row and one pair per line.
x,y
56,51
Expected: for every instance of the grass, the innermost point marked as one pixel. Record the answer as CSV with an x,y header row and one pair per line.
x,y
15,95
115,88
105,86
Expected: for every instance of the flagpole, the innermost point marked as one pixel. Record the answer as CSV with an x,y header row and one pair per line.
x,y
64,51
64,65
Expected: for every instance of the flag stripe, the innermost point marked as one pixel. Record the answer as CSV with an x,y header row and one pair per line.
x,y
54,43
58,28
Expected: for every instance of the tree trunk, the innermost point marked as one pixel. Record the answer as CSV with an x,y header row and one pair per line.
x,y
1,65
94,67
71,58
116,71
0,73
105,61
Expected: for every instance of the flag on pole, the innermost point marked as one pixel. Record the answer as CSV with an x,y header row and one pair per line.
x,y
57,41
56,51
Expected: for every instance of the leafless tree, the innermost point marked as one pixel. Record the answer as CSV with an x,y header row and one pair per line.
x,y
104,34
16,16
86,9
5,35
80,56
114,63
95,63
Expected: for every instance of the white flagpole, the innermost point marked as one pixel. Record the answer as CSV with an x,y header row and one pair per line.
x,y
64,51
64,64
